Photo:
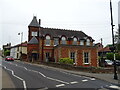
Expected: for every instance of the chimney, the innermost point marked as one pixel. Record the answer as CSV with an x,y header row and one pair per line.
x,y
39,21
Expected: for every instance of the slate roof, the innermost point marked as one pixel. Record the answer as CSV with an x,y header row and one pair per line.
x,y
34,22
33,41
62,32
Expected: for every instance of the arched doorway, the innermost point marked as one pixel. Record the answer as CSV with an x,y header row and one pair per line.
x,y
34,56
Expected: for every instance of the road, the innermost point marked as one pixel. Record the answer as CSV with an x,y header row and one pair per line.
x,y
25,75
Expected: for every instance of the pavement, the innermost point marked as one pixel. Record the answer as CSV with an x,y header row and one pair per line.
x,y
101,76
6,80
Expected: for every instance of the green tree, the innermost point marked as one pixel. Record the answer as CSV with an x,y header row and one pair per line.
x,y
110,56
7,53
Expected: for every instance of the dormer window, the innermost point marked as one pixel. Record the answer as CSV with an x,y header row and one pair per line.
x,y
81,42
74,41
56,41
88,42
34,33
47,41
63,40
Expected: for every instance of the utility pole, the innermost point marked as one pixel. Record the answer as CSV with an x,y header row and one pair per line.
x,y
21,45
115,69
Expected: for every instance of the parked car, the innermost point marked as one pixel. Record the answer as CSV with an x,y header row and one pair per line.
x,y
108,62
117,62
9,58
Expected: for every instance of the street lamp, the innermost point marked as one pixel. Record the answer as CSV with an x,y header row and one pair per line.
x,y
21,45
113,47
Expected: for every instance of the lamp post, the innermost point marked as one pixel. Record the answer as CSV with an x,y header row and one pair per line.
x,y
21,45
113,47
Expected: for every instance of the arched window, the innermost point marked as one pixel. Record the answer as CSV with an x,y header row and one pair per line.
x,y
88,42
74,41
47,41
63,40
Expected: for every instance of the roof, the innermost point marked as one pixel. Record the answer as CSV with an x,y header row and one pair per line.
x,y
62,32
34,22
33,41
18,45
105,49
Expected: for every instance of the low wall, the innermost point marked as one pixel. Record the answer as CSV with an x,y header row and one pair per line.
x,y
80,68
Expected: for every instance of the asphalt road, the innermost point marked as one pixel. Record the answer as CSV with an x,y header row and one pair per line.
x,y
28,76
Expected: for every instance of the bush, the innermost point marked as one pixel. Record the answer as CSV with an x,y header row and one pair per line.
x,y
66,60
111,56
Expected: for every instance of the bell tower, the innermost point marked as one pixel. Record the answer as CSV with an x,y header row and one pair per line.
x,y
33,29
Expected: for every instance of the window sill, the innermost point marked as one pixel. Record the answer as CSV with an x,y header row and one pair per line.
x,y
47,45
86,63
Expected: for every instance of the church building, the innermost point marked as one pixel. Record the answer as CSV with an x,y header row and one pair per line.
x,y
51,44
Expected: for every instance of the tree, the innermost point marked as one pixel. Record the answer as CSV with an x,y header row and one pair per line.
x,y
117,40
7,53
110,56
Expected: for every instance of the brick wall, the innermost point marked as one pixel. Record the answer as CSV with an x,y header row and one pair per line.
x,y
64,52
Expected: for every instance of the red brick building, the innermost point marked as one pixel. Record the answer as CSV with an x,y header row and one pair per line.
x,y
50,44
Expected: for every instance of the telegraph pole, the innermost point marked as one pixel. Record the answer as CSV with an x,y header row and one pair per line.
x,y
115,69
21,44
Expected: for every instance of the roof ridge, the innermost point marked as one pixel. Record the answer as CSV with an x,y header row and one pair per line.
x,y
62,29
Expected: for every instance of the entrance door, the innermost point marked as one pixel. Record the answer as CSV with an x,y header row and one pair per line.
x,y
47,55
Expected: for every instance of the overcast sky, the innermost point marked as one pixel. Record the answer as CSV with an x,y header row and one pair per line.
x,y
89,16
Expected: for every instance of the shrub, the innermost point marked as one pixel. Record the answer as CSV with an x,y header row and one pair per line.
x,y
111,56
66,60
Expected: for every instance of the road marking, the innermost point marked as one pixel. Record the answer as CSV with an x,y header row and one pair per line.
x,y
73,82
115,87
42,74
60,85
92,79
57,80
34,71
25,68
84,80
24,83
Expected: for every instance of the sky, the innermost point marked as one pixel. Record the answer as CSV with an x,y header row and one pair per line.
x,y
90,16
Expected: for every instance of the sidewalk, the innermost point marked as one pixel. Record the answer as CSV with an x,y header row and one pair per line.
x,y
101,76
6,80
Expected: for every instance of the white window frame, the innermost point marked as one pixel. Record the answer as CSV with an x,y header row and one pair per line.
x,y
73,56
47,40
81,42
74,41
86,57
34,33
88,42
56,41
63,40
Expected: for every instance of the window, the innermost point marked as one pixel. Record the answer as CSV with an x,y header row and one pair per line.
x,y
81,42
86,57
47,43
88,42
74,41
56,41
34,33
72,56
63,40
